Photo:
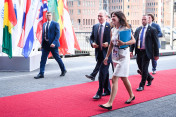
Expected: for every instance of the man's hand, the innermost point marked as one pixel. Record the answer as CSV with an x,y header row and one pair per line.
x,y
94,45
156,58
105,44
52,45
131,54
105,61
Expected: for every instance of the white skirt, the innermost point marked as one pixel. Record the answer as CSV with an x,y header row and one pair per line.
x,y
121,62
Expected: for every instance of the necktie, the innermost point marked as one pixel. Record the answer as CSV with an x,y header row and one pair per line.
x,y
99,35
141,37
47,25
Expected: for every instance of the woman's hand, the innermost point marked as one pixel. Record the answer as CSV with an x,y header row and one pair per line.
x,y
120,43
106,61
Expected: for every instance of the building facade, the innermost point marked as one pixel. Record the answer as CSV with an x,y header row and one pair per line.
x,y
83,13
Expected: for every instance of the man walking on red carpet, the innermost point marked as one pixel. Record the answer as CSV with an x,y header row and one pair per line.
x,y
50,43
146,48
100,39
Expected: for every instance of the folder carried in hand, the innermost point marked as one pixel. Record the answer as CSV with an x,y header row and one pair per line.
x,y
125,36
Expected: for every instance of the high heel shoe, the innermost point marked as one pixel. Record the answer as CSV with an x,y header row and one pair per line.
x,y
128,102
109,108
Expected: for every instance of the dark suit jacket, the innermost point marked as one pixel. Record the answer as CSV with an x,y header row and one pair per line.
x,y
106,38
151,42
53,34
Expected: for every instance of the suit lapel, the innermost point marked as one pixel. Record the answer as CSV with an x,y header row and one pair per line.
x,y
96,32
148,30
44,27
50,26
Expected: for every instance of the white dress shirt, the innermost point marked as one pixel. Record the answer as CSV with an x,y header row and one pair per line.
x,y
143,44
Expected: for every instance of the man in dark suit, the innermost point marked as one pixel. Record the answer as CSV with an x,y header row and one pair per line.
x,y
159,33
97,67
100,39
146,48
50,42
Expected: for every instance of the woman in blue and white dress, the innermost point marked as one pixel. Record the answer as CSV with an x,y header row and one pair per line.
x,y
120,58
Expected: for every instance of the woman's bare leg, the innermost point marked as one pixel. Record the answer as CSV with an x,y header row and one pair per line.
x,y
113,91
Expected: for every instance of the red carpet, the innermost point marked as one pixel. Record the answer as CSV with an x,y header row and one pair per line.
x,y
76,100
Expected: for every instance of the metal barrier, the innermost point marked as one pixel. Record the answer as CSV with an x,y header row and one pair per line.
x,y
84,43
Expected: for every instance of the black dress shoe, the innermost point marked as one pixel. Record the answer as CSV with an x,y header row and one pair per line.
x,y
90,77
39,76
140,89
149,82
109,108
97,97
128,102
139,72
105,94
63,73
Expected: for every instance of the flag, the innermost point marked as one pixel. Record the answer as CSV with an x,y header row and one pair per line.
x,y
69,31
52,7
41,19
68,40
1,23
16,31
63,41
9,21
26,6
57,10
28,30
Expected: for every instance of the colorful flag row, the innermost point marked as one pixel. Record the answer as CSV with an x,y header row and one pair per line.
x,y
34,10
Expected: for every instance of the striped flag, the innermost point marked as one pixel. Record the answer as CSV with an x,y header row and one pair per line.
x,y
9,22
68,29
27,40
64,48
26,6
68,40
52,7
41,19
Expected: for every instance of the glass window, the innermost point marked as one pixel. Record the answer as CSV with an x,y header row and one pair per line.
x,y
79,11
83,21
79,2
79,21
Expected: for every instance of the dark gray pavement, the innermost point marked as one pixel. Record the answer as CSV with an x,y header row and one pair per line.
x,y
13,83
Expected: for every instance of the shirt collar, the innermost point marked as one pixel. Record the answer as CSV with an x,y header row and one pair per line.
x,y
49,22
103,24
145,26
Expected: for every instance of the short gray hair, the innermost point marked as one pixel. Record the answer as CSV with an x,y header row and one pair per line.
x,y
103,11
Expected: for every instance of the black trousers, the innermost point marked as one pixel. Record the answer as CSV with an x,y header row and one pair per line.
x,y
143,63
103,76
97,68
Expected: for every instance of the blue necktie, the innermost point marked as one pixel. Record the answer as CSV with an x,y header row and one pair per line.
x,y
99,35
141,37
